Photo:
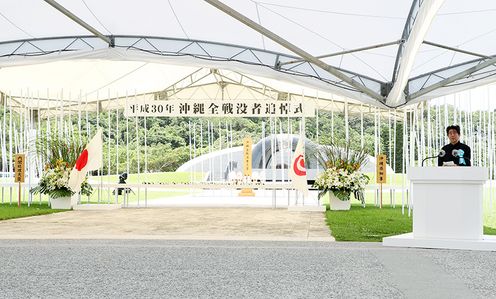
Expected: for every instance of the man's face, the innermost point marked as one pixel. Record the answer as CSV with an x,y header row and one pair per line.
x,y
453,136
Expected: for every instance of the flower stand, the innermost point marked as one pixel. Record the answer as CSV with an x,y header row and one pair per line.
x,y
61,203
337,204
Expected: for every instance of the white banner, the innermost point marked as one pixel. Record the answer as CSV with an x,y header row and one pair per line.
x,y
211,108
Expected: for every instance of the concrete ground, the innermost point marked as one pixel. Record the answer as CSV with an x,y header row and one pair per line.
x,y
172,223
239,269
219,253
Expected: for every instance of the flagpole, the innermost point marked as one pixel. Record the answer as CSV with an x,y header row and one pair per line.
x,y
126,199
108,145
4,141
117,136
274,157
11,137
290,151
100,171
303,141
302,135
137,152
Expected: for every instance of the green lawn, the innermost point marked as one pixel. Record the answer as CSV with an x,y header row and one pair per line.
x,y
371,224
367,224
10,211
377,223
489,212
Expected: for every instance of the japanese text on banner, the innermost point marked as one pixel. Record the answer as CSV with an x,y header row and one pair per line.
x,y
210,108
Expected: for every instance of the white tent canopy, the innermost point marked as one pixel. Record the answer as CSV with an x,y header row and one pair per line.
x,y
155,44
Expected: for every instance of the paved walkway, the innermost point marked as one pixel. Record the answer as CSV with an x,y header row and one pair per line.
x,y
172,223
239,269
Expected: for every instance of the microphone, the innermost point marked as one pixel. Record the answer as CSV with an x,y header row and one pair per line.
x,y
441,154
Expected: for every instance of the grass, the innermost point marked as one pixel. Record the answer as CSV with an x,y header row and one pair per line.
x,y
371,224
367,224
489,230
10,211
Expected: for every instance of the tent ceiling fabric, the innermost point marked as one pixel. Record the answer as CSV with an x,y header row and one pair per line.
x,y
318,27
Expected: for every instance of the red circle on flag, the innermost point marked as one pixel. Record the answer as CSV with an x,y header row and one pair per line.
x,y
299,166
82,160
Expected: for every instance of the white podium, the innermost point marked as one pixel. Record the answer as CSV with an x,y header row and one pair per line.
x,y
447,209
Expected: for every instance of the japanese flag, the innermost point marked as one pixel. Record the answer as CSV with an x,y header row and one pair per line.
x,y
298,172
90,159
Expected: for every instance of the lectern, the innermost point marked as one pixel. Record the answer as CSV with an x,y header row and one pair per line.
x,y
447,209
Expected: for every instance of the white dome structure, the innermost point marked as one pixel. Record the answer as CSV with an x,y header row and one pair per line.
x,y
218,165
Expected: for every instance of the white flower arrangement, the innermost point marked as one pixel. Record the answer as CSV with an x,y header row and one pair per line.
x,y
55,181
341,175
341,182
59,155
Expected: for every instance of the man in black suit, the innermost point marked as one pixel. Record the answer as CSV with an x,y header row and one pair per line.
x,y
456,151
